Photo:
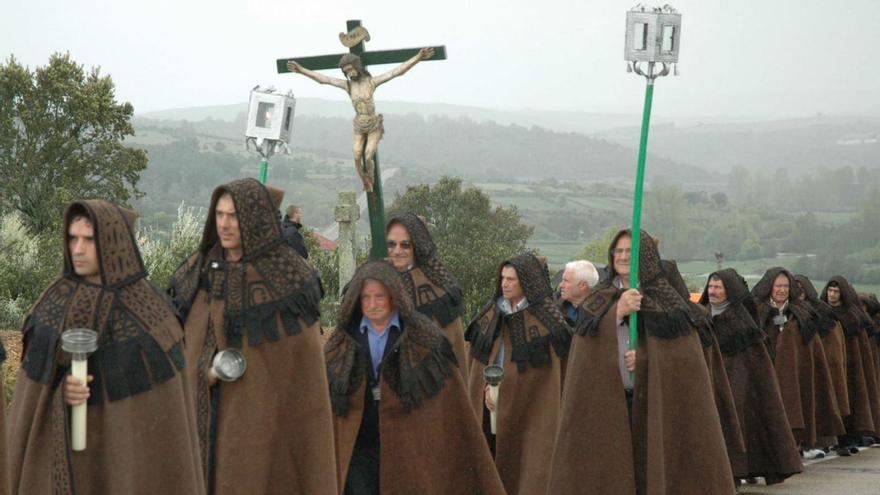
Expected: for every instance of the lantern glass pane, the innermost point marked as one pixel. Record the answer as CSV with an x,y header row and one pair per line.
x,y
640,36
264,114
287,118
668,39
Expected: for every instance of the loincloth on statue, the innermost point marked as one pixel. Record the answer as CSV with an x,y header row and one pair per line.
x,y
368,124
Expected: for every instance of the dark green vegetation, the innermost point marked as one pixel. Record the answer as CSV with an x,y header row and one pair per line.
x,y
61,138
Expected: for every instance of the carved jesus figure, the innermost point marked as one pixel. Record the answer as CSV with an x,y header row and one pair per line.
x,y
360,86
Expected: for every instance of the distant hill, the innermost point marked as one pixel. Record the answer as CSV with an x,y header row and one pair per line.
x,y
799,145
581,122
446,145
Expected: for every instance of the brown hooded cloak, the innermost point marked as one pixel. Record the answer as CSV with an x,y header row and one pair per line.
x,y
673,443
434,291
273,426
141,436
771,450
861,375
872,307
799,358
724,400
833,340
4,489
536,341
430,441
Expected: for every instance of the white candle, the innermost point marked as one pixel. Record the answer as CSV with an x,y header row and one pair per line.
x,y
493,394
79,370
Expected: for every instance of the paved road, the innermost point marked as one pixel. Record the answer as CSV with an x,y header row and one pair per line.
x,y
854,475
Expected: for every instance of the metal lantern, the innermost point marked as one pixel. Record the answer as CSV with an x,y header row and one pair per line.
x,y
269,122
270,115
652,34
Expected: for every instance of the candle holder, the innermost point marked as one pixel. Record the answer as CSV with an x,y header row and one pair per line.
x,y
79,342
229,365
493,374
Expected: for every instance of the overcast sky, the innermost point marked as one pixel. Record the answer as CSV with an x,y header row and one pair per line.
x,y
742,59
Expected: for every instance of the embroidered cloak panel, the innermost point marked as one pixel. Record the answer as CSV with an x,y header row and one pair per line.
x,y
273,426
141,436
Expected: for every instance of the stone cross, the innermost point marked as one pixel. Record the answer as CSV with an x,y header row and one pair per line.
x,y
347,214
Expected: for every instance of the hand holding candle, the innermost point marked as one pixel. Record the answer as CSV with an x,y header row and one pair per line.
x,y
493,374
80,342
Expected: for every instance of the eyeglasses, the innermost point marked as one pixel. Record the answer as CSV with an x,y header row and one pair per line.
x,y
402,244
619,251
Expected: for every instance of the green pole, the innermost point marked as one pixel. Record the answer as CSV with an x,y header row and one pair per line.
x,y
376,207
264,171
637,209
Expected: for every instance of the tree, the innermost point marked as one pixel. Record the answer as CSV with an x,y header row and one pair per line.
x,y
596,250
61,133
472,237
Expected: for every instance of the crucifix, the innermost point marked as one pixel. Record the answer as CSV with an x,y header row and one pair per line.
x,y
368,125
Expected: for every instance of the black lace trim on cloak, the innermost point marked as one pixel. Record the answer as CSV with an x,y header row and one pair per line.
x,y
826,320
122,367
445,309
346,370
705,330
259,322
413,385
852,327
661,324
184,285
528,351
808,320
737,331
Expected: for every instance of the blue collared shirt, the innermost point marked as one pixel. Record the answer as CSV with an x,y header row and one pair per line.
x,y
378,341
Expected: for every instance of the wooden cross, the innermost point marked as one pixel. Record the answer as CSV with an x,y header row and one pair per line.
x,y
375,201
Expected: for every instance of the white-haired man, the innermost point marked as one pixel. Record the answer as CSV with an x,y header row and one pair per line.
x,y
577,279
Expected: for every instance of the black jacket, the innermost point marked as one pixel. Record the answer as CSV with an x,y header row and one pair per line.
x,y
293,237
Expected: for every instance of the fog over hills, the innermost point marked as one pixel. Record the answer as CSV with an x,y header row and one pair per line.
x,y
715,145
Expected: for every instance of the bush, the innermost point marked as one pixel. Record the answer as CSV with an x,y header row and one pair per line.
x,y
28,265
163,252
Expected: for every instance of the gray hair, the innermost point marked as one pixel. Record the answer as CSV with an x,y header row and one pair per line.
x,y
583,271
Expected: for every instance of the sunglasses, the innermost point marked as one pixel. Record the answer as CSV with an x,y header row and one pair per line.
x,y
402,244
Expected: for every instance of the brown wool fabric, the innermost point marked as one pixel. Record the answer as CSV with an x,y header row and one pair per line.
x,y
872,306
864,403
805,379
139,380
771,450
274,426
724,401
424,413
536,341
675,443
833,340
432,288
